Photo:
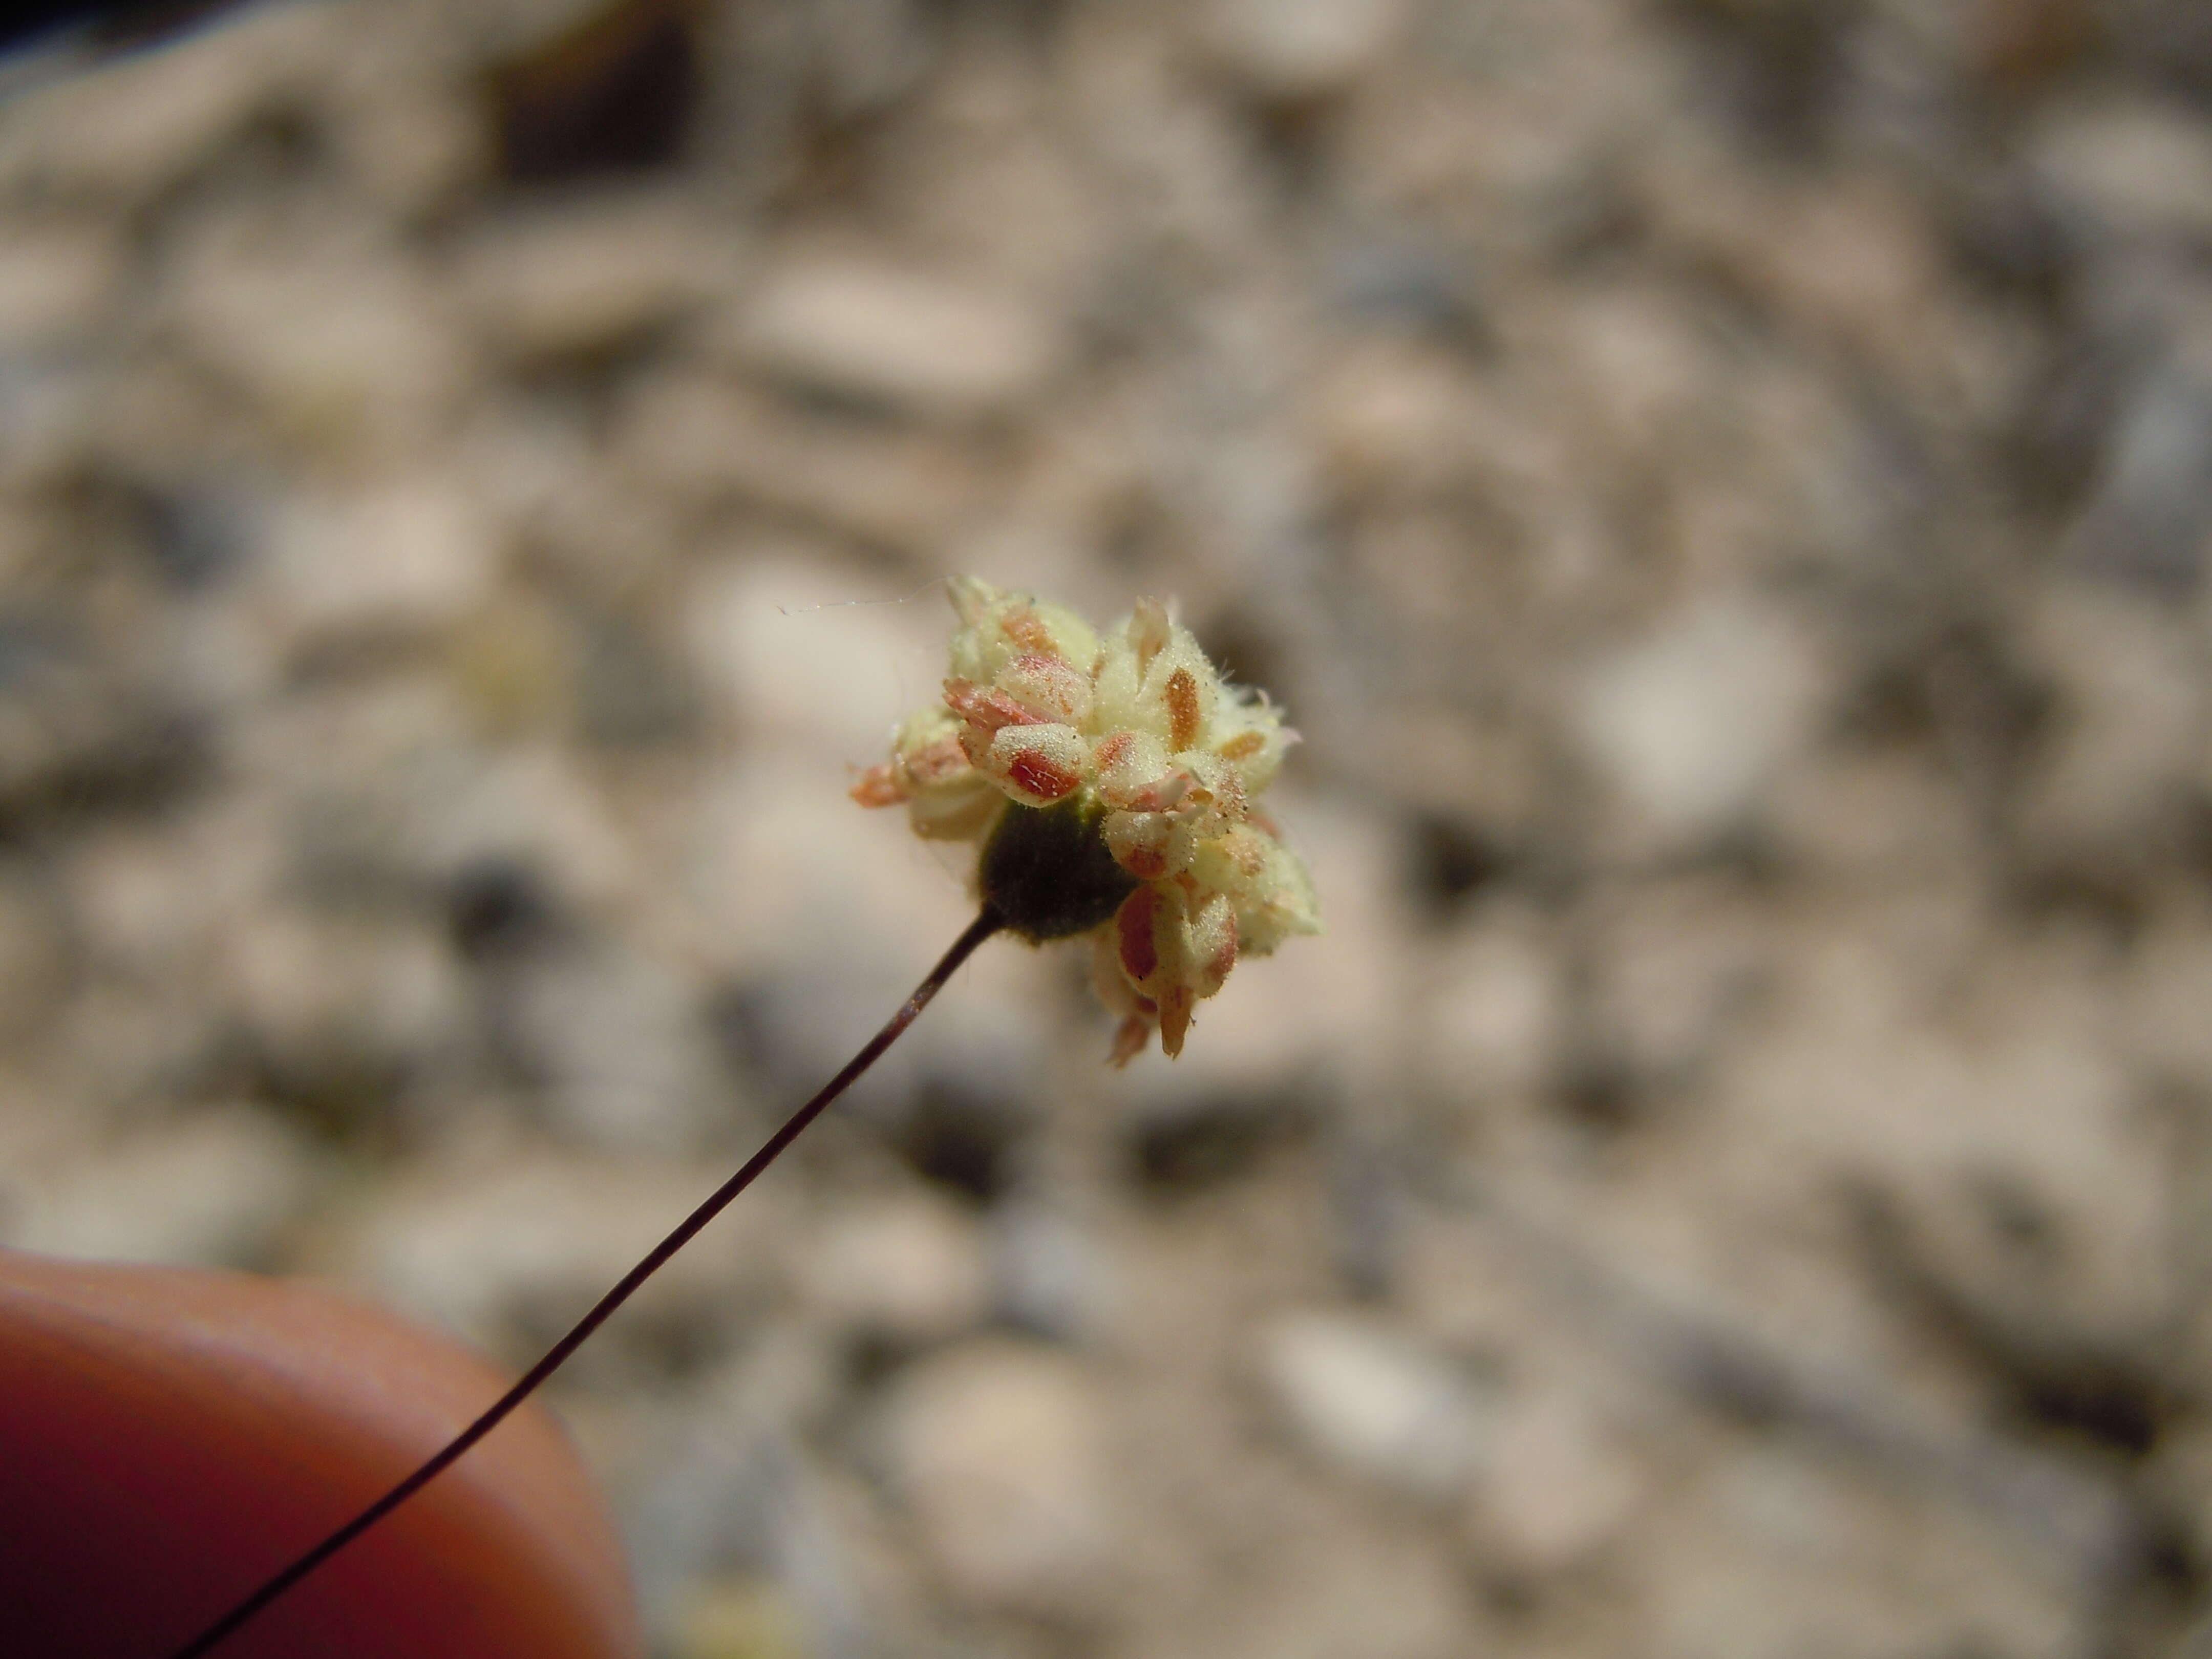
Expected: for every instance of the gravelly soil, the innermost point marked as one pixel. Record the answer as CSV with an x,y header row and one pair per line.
x,y
1721,485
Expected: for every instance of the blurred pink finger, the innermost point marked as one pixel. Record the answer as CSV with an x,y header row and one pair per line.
x,y
169,1438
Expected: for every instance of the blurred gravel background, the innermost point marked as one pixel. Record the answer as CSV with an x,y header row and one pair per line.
x,y
1722,484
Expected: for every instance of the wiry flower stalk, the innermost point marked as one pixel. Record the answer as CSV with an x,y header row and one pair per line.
x,y
275,1586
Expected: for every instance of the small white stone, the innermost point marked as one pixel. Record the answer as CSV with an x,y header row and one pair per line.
x,y
1688,725
914,340
56,283
1494,1007
1391,414
910,1270
2128,731
1053,1273
2141,168
340,340
532,804
401,558
687,436
1375,1404
1292,50
2001,1114
805,649
314,992
583,277
213,1190
39,959
1553,1491
2168,991
1000,1449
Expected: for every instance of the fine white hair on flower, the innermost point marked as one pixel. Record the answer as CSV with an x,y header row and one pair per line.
x,y
1109,777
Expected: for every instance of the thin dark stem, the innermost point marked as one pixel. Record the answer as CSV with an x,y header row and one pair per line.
x,y
979,930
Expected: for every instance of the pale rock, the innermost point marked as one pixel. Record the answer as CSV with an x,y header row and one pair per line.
x,y
1874,814
585,276
1494,1006
342,343
880,333
403,558
992,181
319,992
1555,1488
1393,414
38,1131
223,662
782,870
1052,1273
2128,730
691,438
2002,1128
999,1449
2149,517
2167,994
213,1190
909,1271
1852,265
151,906
513,664
38,952
1342,1592
1672,965
1688,725
710,1485
805,648
1642,370
1291,51
1372,1402
127,1044
531,804
1771,1550
1490,773
345,771
862,56
531,463
58,284
2139,167
616,1039
398,121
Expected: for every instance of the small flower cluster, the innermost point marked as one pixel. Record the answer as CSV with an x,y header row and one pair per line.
x,y
1110,779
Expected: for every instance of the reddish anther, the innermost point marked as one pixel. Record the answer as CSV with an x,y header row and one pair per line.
x,y
1141,954
1027,630
985,709
1243,746
1182,709
1041,776
877,787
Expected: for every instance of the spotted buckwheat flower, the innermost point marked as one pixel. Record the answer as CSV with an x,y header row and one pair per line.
x,y
1110,781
